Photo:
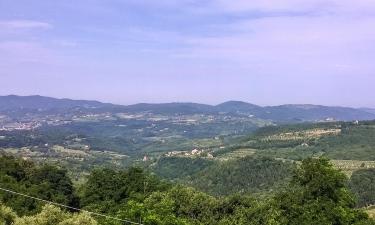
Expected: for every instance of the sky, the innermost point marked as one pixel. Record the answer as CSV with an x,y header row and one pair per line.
x,y
266,52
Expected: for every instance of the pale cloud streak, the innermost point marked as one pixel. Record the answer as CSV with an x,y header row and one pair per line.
x,y
24,24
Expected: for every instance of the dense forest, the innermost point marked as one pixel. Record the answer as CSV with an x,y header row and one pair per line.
x,y
362,183
316,194
261,175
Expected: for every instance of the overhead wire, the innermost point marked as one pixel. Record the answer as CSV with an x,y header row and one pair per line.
x,y
69,207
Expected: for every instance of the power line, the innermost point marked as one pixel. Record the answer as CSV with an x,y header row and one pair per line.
x,y
69,207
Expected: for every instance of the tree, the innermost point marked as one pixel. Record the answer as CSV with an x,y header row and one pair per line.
x,y
52,215
46,182
107,189
239,209
7,215
318,195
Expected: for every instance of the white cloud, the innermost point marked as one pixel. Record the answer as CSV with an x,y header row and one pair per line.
x,y
24,24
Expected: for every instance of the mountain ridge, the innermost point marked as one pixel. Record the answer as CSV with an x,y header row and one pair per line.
x,y
283,113
41,102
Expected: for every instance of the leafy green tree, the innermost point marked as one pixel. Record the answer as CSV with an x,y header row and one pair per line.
x,y
161,208
106,189
192,204
79,219
51,215
180,206
7,215
47,182
318,195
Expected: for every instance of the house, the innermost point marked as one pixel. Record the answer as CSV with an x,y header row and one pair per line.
x,y
195,152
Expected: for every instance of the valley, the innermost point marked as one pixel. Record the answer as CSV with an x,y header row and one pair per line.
x,y
221,153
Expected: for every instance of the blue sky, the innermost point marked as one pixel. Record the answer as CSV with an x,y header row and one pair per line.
x,y
128,51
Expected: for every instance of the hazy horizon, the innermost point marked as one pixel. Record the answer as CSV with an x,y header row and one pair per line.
x,y
125,52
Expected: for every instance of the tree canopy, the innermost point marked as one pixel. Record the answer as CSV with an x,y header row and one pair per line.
x,y
317,194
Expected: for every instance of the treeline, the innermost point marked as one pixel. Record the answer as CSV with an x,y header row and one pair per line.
x,y
316,194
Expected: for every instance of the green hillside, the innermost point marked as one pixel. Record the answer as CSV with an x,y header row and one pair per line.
x,y
262,162
342,141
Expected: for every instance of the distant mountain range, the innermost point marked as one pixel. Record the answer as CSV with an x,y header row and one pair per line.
x,y
368,110
282,113
13,102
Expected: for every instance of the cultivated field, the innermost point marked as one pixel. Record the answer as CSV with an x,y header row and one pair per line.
x,y
300,135
349,166
237,154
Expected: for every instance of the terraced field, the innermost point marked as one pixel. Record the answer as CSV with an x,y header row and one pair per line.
x,y
237,154
349,166
302,135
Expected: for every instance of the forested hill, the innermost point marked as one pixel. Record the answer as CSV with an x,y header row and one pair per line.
x,y
282,113
261,162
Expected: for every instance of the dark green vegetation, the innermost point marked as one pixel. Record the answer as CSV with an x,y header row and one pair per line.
x,y
316,188
316,194
362,183
45,181
180,167
266,157
246,175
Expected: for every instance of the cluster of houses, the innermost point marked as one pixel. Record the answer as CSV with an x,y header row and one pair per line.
x,y
194,152
19,126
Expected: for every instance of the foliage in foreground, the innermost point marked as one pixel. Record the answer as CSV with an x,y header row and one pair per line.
x,y
317,194
43,181
50,215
